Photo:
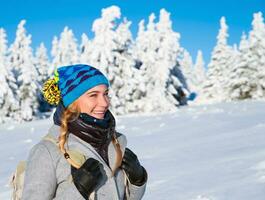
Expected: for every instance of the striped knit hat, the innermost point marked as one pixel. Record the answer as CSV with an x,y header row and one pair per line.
x,y
70,82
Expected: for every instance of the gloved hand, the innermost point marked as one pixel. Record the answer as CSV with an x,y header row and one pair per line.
x,y
87,177
131,165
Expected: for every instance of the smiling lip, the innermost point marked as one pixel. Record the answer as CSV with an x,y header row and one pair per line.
x,y
99,113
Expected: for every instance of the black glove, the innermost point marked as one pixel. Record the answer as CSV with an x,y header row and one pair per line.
x,y
87,177
131,165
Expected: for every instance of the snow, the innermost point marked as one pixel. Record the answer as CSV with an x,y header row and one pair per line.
x,y
213,152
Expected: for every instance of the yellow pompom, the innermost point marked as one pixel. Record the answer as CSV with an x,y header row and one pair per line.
x,y
51,91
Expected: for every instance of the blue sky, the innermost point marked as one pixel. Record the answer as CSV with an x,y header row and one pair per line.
x,y
196,20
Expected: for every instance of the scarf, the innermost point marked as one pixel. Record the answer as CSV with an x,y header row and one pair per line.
x,y
97,132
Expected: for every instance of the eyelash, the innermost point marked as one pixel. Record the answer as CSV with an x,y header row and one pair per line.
x,y
94,95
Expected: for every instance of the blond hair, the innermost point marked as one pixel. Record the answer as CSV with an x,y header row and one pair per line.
x,y
70,114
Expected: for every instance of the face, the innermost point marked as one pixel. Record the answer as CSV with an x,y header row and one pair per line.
x,y
94,102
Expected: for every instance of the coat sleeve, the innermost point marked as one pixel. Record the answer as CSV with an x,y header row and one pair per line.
x,y
40,178
136,192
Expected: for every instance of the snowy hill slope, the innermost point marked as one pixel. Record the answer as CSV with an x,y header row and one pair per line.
x,y
214,152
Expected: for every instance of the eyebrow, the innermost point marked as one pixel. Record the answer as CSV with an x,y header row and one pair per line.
x,y
96,91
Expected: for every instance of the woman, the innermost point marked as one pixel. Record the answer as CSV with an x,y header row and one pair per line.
x,y
83,125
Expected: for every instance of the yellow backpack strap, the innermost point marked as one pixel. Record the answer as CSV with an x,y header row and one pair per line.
x,y
17,180
51,138
78,157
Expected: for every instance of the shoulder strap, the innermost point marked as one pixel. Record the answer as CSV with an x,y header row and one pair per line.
x,y
17,180
74,154
51,138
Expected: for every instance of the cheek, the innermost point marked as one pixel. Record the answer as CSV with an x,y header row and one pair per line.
x,y
87,105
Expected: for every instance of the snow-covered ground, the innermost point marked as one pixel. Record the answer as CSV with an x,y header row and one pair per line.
x,y
214,152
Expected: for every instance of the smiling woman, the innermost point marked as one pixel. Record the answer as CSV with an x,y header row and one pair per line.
x,y
90,159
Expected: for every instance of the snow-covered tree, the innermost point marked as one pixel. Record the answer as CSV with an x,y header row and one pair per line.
x,y
247,77
186,65
222,60
242,78
8,103
144,57
42,63
257,50
103,44
169,54
144,52
43,67
21,58
65,50
85,49
199,71
126,93
55,53
156,49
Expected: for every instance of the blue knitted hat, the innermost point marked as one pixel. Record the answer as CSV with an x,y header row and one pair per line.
x,y
73,81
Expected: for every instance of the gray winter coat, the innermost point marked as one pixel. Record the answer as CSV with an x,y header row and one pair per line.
x,y
47,172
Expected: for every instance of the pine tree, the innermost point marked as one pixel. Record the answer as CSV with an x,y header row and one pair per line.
x,y
242,78
257,50
144,52
65,50
103,44
21,59
199,71
157,50
169,53
222,61
42,63
55,54
8,103
85,49
186,65
43,66
124,75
